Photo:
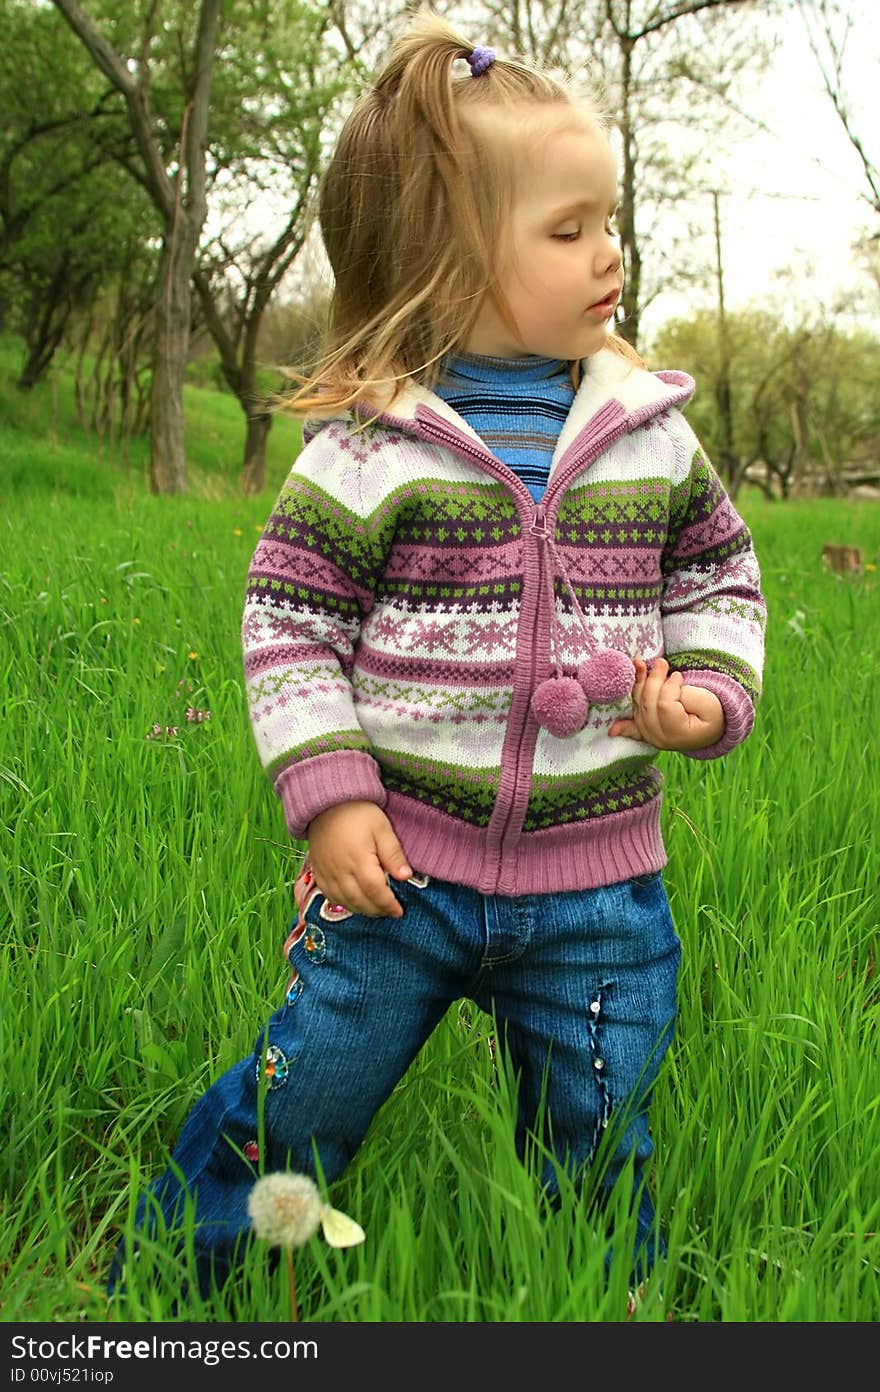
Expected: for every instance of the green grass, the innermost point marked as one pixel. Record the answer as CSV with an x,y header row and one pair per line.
x,y
146,891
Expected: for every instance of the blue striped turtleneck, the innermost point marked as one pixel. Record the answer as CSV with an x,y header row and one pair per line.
x,y
517,406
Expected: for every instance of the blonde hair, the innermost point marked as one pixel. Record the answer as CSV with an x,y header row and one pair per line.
x,y
413,210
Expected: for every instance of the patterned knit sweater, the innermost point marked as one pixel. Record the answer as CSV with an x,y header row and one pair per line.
x,y
408,595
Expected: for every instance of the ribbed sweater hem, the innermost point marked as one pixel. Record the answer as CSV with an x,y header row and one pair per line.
x,y
585,855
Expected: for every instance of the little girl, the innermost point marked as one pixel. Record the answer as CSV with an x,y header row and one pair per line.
x,y
501,575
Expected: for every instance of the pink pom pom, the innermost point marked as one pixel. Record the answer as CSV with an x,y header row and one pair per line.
x,y
560,706
607,676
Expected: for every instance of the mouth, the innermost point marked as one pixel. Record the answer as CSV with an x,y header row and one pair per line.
x,y
604,308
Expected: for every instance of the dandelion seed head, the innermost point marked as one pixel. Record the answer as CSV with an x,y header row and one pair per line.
x,y
285,1209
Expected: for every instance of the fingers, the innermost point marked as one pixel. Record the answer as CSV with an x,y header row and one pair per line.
x,y
657,714
628,728
362,892
669,714
390,853
639,683
353,849
376,899
372,894
668,707
657,707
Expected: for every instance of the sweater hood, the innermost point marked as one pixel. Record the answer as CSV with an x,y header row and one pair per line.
x,y
609,382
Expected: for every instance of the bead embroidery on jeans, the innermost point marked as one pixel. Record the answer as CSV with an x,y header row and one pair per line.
x,y
294,987
593,1020
316,943
276,1067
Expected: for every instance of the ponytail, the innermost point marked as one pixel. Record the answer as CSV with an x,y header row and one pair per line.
x,y
413,212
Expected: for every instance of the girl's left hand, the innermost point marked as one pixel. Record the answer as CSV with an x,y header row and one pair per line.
x,y
669,714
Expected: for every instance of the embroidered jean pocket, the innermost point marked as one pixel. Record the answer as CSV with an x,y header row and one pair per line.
x,y
306,943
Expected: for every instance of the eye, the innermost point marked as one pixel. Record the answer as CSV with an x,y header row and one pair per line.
x,y
566,236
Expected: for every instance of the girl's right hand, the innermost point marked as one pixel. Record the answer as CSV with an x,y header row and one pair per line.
x,y
669,714
352,848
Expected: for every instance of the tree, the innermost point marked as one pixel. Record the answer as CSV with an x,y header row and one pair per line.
x,y
58,279
829,28
64,218
284,62
178,191
287,64
280,71
804,404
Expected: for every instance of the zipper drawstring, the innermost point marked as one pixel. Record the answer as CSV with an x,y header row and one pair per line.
x,y
560,704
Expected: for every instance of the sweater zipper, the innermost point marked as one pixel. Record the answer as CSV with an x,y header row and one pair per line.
x,y
618,425
535,524
538,527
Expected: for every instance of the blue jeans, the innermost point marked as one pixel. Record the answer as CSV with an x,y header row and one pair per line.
x,y
582,986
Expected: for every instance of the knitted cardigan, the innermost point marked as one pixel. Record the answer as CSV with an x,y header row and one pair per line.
x,y
407,597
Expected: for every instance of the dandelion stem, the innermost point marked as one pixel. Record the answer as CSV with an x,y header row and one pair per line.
x,y
291,1284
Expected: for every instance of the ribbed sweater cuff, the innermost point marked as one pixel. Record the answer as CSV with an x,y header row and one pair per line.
x,y
739,713
314,785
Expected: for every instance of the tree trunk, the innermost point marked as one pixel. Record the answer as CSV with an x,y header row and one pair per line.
x,y
800,483
629,245
168,473
47,317
253,473
182,205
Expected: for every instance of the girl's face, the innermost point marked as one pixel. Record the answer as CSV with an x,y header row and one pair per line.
x,y
561,272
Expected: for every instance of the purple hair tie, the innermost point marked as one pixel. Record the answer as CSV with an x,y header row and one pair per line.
x,y
480,60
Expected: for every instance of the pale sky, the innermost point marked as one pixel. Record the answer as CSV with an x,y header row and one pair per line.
x,y
795,207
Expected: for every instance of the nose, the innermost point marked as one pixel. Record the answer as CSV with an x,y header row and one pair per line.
x,y
609,257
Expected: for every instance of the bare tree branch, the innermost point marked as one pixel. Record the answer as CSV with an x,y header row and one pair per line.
x,y
829,49
687,7
206,43
136,99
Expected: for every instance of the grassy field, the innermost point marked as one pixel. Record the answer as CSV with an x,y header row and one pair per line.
x,y
146,893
